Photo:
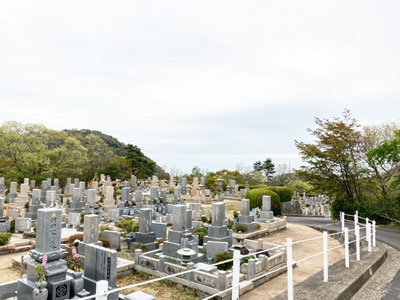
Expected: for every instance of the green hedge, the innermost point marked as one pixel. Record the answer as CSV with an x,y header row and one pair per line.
x,y
255,197
284,192
5,238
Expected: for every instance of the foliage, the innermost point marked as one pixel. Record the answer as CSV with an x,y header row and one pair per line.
x,y
5,238
240,228
255,197
201,232
222,257
204,219
139,164
34,151
300,186
333,161
41,269
83,214
285,194
246,259
266,166
128,225
230,224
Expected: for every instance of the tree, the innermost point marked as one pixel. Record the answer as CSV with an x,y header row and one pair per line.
x,y
334,160
196,172
139,164
385,163
266,166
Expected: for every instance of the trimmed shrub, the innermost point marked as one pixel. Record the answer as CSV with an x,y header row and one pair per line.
x,y
222,257
5,238
201,232
241,228
128,225
284,192
245,260
255,197
106,243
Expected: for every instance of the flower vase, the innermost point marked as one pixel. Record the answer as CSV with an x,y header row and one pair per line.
x,y
40,292
76,282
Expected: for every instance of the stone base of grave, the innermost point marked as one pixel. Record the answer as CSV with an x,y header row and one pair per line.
x,y
149,246
227,239
145,238
25,288
109,207
82,246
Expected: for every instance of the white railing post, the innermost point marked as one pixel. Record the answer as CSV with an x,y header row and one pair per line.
x,y
289,262
373,234
346,247
235,275
369,236
357,242
342,219
356,217
102,287
325,250
366,229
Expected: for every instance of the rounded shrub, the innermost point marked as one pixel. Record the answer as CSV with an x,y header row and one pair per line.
x,y
5,238
255,197
222,257
201,232
285,194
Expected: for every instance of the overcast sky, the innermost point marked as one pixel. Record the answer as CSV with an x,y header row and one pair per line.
x,y
207,83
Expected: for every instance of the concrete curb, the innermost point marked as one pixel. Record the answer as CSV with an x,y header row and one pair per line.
x,y
343,283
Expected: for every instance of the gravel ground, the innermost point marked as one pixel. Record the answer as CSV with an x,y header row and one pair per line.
x,y
377,285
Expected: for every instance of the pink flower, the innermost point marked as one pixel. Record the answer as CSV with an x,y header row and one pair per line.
x,y
44,261
73,252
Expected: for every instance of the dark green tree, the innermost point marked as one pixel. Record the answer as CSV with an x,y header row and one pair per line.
x,y
266,166
139,164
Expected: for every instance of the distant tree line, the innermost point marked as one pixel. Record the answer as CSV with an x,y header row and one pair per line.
x,y
37,152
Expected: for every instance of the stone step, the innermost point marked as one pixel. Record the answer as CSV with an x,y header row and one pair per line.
x,y
22,243
23,248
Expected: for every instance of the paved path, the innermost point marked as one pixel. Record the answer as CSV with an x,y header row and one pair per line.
x,y
385,235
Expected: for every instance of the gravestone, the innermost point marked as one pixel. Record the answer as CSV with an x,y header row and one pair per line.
x,y
213,248
217,230
23,224
13,192
2,187
74,219
51,196
100,264
48,241
35,205
109,202
266,215
90,232
245,218
23,197
77,200
114,237
113,215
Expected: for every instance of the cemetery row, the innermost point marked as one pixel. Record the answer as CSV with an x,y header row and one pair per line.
x,y
177,230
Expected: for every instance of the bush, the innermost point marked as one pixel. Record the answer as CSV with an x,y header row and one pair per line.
x,y
106,243
230,224
128,225
201,232
102,228
12,226
204,219
285,194
5,238
245,260
255,197
222,257
83,216
241,228
72,238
